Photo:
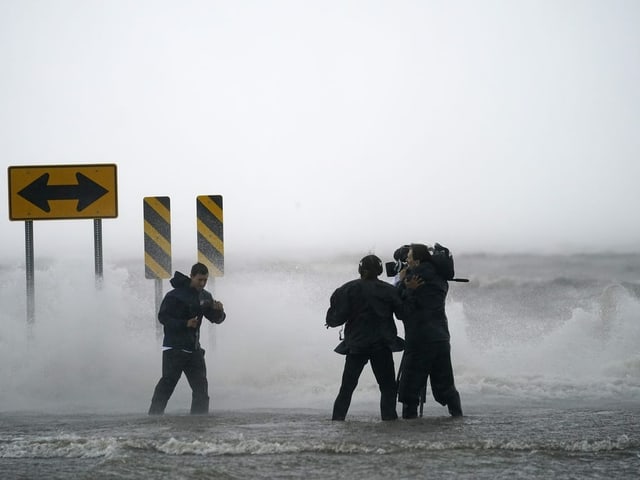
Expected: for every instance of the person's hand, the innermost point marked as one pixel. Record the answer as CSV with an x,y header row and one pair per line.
x,y
402,274
413,282
217,305
192,322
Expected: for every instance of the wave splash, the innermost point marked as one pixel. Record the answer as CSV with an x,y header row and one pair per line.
x,y
75,446
536,339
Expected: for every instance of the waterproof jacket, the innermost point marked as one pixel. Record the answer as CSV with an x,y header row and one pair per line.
x,y
426,322
366,308
181,304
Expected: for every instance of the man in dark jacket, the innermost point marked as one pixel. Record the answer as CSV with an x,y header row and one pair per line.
x,y
427,350
366,307
181,314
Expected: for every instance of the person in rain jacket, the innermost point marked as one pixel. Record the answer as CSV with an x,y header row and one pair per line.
x,y
181,313
427,351
365,307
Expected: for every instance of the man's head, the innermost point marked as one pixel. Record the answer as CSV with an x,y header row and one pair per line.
x,y
199,276
418,253
370,267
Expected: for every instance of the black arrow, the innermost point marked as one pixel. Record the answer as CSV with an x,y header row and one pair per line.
x,y
40,193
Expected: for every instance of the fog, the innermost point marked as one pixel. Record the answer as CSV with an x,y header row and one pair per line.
x,y
489,126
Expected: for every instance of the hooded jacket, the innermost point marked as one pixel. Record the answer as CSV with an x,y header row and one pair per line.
x,y
366,308
426,322
181,304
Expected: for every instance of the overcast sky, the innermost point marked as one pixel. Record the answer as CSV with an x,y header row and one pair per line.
x,y
334,125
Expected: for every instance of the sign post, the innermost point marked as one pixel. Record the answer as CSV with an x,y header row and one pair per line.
x,y
31,303
56,192
97,248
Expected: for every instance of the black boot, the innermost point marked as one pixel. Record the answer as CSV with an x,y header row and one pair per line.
x,y
455,409
409,411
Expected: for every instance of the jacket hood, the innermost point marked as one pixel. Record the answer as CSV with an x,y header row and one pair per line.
x,y
180,280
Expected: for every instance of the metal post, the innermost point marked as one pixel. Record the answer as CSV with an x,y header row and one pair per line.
x,y
31,304
158,284
97,244
212,331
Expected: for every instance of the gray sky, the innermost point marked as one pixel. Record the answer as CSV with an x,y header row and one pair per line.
x,y
331,125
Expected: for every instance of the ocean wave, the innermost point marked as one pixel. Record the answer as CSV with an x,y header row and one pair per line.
x,y
260,447
66,446
550,388
622,442
61,446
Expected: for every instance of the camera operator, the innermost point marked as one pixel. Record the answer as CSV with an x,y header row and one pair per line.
x,y
427,350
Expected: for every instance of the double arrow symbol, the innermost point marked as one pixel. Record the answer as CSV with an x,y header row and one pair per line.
x,y
39,192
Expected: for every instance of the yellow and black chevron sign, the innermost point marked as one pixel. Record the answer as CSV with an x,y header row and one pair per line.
x,y
157,237
210,238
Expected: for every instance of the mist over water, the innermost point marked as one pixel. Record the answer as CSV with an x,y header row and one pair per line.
x,y
525,329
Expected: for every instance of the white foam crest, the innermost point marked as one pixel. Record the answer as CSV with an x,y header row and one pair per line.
x,y
622,442
74,446
252,446
59,446
604,445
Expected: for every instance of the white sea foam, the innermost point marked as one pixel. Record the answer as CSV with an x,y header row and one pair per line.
x,y
75,446
60,446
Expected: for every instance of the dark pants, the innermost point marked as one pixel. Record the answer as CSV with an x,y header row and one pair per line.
x,y
174,362
384,371
434,363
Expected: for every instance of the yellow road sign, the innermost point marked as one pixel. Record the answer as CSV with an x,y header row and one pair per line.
x,y
55,192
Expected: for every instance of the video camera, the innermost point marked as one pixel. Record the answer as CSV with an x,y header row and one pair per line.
x,y
440,258
400,257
